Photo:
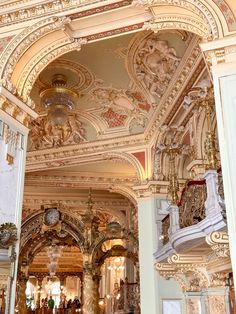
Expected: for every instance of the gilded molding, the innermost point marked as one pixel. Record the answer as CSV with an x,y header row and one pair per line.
x,y
191,272
173,22
38,10
219,243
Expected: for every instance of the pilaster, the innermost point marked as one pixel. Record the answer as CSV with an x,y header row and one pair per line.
x,y
221,57
14,118
89,295
147,246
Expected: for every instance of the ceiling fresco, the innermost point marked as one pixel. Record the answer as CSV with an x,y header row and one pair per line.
x,y
120,83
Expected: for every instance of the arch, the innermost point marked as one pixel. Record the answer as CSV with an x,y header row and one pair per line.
x,y
125,191
47,39
116,251
31,230
130,159
201,17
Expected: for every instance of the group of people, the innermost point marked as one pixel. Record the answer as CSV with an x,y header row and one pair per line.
x,y
65,307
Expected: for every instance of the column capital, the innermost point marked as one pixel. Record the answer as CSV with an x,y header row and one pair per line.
x,y
151,188
220,51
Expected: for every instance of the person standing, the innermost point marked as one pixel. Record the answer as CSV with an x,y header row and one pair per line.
x,y
51,304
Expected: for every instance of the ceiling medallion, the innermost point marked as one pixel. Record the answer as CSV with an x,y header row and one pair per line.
x,y
59,100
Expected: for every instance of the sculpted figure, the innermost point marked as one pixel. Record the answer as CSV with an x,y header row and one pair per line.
x,y
155,65
45,134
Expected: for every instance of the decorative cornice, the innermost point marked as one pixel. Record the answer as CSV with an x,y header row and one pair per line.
x,y
20,11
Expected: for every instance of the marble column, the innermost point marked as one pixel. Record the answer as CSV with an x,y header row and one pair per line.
x,y
96,283
221,55
22,295
147,246
89,297
14,117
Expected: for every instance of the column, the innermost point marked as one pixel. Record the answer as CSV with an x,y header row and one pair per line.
x,y
14,117
22,295
147,246
96,282
221,55
39,291
89,297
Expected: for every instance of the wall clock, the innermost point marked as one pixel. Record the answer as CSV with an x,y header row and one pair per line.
x,y
51,216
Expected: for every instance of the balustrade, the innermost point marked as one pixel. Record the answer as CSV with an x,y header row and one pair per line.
x,y
192,203
200,200
165,229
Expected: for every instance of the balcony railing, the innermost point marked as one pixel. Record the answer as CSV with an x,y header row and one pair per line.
x,y
165,229
199,212
192,203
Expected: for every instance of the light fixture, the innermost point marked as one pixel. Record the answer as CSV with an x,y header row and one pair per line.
x,y
59,99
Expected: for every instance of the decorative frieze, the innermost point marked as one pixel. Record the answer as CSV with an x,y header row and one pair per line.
x,y
20,11
13,141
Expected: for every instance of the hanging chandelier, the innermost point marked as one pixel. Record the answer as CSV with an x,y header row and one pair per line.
x,y
59,99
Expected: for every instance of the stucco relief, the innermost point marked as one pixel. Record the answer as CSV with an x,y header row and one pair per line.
x,y
216,304
119,105
155,63
45,134
193,306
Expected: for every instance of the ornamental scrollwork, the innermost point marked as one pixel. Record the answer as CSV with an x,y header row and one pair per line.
x,y
219,243
192,206
8,235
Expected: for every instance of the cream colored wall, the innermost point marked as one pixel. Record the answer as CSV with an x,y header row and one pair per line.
x,y
169,289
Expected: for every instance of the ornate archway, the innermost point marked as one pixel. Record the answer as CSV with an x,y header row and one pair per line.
x,y
48,39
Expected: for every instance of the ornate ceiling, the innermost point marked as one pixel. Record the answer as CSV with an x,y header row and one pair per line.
x,y
121,82
69,260
130,86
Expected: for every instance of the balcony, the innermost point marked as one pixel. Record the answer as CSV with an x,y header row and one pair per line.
x,y
199,212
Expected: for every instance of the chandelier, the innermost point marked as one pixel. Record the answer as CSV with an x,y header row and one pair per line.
x,y
59,99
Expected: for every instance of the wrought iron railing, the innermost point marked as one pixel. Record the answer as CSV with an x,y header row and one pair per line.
x,y
165,229
192,203
129,300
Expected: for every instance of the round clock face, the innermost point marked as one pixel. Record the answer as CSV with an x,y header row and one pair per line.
x,y
52,216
